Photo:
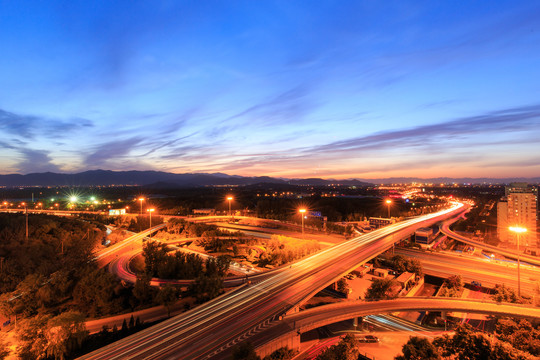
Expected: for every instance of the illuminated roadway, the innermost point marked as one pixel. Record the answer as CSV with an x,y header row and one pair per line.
x,y
487,272
106,255
511,254
328,314
209,330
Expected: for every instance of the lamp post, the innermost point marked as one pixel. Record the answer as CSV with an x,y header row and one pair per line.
x,y
230,198
150,211
389,202
141,200
26,212
302,212
518,230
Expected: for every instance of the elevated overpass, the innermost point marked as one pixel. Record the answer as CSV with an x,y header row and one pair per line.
x,y
104,256
445,229
287,332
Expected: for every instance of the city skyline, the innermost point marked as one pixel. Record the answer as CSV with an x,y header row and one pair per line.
x,y
337,90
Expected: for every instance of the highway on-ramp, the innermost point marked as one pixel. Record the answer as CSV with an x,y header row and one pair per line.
x,y
486,272
319,316
445,229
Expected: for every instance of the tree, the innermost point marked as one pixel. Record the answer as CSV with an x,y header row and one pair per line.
x,y
143,291
399,263
283,353
454,282
346,349
32,345
64,334
206,287
4,348
223,262
381,289
469,345
154,253
465,344
25,297
415,266
342,286
97,293
522,335
505,294
418,348
167,296
245,351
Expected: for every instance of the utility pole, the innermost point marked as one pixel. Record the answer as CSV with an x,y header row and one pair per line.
x,y
26,213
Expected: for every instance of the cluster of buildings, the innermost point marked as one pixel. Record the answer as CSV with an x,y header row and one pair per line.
x,y
518,208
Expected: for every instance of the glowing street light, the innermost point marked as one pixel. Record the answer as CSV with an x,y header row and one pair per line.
x,y
389,202
230,198
302,212
26,212
518,230
150,211
73,199
141,199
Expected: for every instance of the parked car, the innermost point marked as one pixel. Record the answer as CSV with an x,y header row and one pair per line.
x,y
367,338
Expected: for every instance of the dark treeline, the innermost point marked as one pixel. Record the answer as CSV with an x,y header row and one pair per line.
x,y
54,244
207,274
267,200
50,282
512,341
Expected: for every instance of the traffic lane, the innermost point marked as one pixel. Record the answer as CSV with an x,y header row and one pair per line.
x,y
486,272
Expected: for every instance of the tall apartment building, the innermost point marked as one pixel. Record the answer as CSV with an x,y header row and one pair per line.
x,y
518,208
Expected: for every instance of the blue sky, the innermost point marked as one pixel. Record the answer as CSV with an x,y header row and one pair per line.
x,y
333,89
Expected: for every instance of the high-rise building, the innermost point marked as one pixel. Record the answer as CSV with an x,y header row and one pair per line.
x,y
502,219
518,208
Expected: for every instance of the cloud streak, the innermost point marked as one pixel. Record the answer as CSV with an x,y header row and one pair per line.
x,y
28,126
36,161
509,120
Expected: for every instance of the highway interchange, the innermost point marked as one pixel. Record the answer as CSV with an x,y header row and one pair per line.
x,y
209,331
254,311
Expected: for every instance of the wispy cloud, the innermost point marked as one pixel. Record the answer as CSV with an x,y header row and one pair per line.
x,y
36,161
289,106
29,126
509,120
108,152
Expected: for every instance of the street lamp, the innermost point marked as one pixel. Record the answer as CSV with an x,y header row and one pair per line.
x,y
389,202
302,212
150,211
230,198
518,230
26,212
141,200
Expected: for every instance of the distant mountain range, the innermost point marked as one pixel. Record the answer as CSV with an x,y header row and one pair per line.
x,y
164,179
152,178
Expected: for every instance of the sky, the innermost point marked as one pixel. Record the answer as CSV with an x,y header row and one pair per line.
x,y
332,89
